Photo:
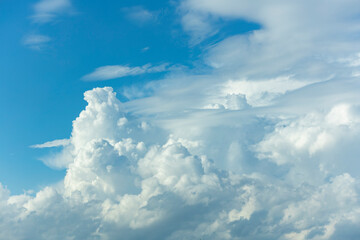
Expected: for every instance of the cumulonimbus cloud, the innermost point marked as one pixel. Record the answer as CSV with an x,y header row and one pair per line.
x,y
264,146
130,177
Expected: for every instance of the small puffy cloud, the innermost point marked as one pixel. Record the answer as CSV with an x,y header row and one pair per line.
x,y
118,71
145,49
48,10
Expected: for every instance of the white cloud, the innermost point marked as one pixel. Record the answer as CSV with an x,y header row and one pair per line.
x,y
199,26
54,143
140,15
321,143
118,71
261,92
45,11
36,41
262,146
270,51
48,10
339,194
145,49
124,178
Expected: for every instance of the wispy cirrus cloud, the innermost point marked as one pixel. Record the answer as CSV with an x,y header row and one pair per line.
x,y
48,10
45,11
119,71
54,143
36,41
140,15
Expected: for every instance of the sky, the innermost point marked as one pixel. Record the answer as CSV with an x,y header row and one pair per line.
x,y
180,119
47,58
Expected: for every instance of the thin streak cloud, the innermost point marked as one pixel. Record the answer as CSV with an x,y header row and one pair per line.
x,y
54,143
119,71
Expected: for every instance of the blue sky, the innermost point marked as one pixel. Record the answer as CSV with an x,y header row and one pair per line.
x,y
192,119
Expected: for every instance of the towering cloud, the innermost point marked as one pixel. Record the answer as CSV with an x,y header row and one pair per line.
x,y
263,146
125,180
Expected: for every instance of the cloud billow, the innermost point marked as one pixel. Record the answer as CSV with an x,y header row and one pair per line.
x,y
263,146
132,179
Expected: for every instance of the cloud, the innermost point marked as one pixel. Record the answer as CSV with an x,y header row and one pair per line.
x,y
262,143
270,50
118,71
258,93
140,15
145,49
199,26
124,178
36,41
45,11
48,10
317,142
54,143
